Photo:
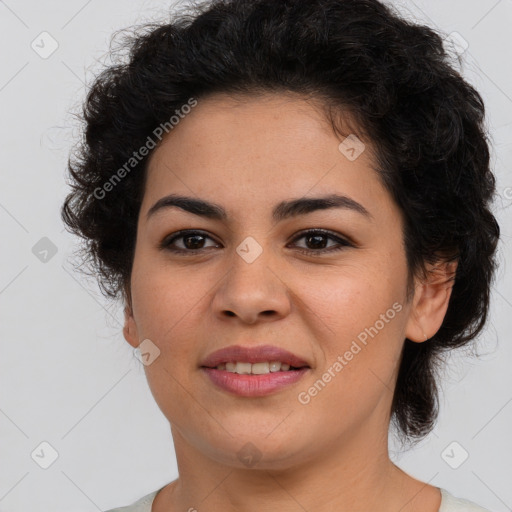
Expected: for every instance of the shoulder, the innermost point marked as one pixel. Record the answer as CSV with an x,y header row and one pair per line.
x,y
451,503
141,505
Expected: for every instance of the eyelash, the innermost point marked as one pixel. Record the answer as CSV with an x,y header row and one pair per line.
x,y
166,243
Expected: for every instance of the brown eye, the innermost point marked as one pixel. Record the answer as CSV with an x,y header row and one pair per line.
x,y
192,241
317,239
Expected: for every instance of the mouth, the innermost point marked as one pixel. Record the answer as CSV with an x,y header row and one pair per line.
x,y
261,359
259,368
253,371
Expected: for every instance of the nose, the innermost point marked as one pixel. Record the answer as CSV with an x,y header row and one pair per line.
x,y
253,291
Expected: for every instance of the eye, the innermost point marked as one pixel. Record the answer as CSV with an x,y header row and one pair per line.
x,y
192,242
314,237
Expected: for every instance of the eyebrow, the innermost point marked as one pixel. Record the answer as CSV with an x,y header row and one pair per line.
x,y
281,211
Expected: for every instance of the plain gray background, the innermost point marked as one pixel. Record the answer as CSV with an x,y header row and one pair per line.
x,y
68,378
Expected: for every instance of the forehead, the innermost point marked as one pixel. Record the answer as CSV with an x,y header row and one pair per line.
x,y
260,149
272,119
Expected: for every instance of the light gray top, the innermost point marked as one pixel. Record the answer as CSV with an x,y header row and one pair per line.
x,y
449,503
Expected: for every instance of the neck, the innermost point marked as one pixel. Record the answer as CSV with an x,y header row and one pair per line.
x,y
355,475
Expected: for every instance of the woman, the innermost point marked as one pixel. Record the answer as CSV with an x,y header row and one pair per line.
x,y
292,200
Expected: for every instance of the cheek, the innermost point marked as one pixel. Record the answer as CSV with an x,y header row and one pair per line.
x,y
362,315
165,299
351,299
363,320
165,309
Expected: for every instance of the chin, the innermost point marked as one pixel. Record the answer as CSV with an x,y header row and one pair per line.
x,y
260,449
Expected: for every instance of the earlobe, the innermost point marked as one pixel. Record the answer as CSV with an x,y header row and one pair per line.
x,y
430,303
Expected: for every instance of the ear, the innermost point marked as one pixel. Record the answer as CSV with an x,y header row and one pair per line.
x,y
430,302
130,328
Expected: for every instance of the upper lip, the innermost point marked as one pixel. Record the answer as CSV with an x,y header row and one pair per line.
x,y
258,354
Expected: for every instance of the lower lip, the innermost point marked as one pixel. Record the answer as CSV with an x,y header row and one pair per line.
x,y
253,385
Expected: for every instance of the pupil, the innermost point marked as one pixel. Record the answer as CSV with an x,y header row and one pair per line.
x,y
317,237
193,245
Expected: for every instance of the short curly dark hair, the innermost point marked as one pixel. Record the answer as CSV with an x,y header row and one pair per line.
x,y
360,57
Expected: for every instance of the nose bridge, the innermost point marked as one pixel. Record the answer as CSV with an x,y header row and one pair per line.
x,y
252,287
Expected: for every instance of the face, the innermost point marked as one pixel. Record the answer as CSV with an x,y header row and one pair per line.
x,y
336,299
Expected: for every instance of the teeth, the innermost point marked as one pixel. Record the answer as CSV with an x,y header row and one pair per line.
x,y
243,368
255,368
275,366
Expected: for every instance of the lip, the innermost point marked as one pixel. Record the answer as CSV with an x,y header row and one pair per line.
x,y
254,385
262,353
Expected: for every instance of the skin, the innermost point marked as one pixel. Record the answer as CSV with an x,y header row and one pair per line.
x,y
247,155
